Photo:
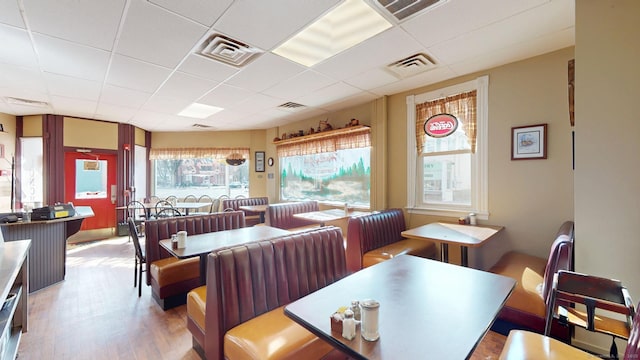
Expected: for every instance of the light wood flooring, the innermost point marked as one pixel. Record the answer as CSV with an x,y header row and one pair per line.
x,y
95,313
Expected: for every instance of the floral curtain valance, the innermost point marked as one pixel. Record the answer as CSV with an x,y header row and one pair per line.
x,y
352,139
463,106
195,153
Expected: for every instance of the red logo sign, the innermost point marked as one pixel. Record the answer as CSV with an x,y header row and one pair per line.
x,y
441,125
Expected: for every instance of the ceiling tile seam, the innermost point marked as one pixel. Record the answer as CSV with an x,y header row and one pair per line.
x,y
27,28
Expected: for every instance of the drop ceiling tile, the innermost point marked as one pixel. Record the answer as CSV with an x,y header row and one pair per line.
x,y
155,35
225,96
265,72
379,51
517,52
30,110
98,20
246,21
21,79
303,83
137,75
371,79
523,27
10,13
16,47
327,95
72,59
423,79
117,113
165,104
73,87
206,12
73,107
455,18
116,95
256,103
207,68
184,86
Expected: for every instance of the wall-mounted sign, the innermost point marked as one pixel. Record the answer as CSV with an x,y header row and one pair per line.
x,y
441,125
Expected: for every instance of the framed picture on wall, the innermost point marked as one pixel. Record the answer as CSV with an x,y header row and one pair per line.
x,y
259,161
529,142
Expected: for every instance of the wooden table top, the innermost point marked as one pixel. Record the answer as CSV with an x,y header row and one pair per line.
x,y
205,243
328,215
428,309
450,233
254,208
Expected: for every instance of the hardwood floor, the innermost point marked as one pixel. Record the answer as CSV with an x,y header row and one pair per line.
x,y
95,313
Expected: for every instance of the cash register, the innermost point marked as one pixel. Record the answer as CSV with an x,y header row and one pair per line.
x,y
51,212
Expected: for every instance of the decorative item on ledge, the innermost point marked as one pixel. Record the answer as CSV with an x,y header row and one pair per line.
x,y
322,134
235,159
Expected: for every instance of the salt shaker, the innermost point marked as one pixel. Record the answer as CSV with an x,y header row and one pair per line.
x,y
355,307
348,325
472,219
369,325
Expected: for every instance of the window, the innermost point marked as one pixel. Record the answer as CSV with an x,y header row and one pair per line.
x,y
182,172
447,176
31,172
329,168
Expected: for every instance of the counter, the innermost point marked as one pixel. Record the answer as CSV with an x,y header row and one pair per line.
x,y
48,252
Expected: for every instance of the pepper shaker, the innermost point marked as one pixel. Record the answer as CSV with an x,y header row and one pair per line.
x,y
355,307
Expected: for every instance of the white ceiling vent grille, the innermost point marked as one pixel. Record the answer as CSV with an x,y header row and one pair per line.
x,y
403,9
291,106
412,65
26,102
227,50
201,126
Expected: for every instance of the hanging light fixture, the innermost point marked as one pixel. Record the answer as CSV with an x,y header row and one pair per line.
x,y
235,159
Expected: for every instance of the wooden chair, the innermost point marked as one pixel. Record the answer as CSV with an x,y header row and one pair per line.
x,y
523,344
597,296
140,258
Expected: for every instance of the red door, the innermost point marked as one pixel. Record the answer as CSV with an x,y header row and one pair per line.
x,y
90,180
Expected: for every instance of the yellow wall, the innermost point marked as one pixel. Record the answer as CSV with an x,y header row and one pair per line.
x,y
531,198
32,126
90,133
253,139
607,147
140,137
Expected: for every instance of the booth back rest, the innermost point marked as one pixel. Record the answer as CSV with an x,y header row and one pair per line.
x,y
368,232
246,281
281,215
236,203
163,228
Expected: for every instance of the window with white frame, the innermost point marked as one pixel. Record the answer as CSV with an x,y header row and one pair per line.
x,y
447,176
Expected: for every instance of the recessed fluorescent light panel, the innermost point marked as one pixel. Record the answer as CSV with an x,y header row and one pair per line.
x,y
347,25
199,111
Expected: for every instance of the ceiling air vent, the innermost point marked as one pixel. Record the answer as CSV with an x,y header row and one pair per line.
x,y
227,50
412,65
403,9
26,102
291,106
201,126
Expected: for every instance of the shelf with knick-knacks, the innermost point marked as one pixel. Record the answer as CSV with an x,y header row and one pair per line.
x,y
324,130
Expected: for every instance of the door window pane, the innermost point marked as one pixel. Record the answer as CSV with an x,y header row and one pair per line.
x,y
91,179
31,172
